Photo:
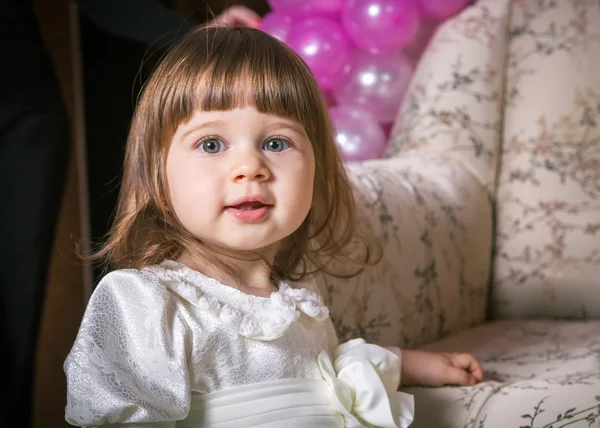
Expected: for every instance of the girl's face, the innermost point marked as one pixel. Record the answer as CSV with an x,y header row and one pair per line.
x,y
240,179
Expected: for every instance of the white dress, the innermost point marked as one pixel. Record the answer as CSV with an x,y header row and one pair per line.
x,y
169,347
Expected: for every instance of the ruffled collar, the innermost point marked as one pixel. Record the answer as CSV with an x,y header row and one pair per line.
x,y
263,318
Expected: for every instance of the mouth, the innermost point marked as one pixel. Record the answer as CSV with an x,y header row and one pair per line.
x,y
248,206
249,210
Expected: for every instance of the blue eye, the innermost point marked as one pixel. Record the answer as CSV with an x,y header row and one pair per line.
x,y
276,145
212,146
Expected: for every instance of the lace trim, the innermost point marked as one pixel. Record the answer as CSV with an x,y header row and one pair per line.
x,y
255,317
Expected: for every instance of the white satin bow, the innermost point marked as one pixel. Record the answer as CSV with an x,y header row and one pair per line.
x,y
364,379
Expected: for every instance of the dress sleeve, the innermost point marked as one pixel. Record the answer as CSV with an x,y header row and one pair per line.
x,y
129,361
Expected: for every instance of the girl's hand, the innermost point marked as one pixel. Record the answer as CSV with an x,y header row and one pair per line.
x,y
439,369
237,16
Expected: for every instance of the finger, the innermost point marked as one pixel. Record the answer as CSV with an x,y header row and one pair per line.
x,y
478,372
458,376
467,362
239,16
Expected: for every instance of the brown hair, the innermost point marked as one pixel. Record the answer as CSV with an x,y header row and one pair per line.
x,y
220,68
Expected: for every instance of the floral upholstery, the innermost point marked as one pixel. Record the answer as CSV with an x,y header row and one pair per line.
x,y
540,373
454,103
548,197
436,239
488,211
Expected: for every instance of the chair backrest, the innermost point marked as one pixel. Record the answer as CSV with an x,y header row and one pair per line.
x,y
519,106
547,243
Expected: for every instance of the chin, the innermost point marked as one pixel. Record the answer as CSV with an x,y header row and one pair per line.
x,y
250,247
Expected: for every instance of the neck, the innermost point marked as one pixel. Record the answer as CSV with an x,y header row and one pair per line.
x,y
252,274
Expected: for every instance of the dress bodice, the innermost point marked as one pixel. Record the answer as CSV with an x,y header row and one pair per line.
x,y
154,337
242,338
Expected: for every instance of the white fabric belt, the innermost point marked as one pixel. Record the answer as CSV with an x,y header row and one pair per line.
x,y
289,403
358,389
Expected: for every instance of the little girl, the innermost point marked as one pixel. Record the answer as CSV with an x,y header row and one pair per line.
x,y
233,197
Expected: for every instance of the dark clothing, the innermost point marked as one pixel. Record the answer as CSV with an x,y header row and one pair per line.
x,y
34,141
147,22
120,43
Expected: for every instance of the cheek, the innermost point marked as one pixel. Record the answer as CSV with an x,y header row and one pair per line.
x,y
192,186
177,175
300,190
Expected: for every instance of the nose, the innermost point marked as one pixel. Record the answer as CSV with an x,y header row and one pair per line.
x,y
249,166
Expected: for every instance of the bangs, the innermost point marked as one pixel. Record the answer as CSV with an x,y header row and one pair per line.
x,y
239,68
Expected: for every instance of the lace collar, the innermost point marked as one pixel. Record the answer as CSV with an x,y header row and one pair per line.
x,y
263,318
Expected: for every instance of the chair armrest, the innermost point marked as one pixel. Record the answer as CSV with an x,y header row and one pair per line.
x,y
433,219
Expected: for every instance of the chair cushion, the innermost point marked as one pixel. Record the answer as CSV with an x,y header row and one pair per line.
x,y
542,373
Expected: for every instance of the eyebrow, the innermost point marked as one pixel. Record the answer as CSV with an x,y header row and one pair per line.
x,y
209,124
278,125
275,125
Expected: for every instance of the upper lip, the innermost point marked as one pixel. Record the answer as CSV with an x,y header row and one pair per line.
x,y
249,199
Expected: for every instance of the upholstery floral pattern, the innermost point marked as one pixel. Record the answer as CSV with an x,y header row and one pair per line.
x,y
436,241
430,203
454,102
488,211
539,374
548,198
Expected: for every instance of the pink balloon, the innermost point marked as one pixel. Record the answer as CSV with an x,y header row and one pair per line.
x,y
357,134
306,7
376,83
277,25
324,47
380,26
442,9
387,129
329,99
416,48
